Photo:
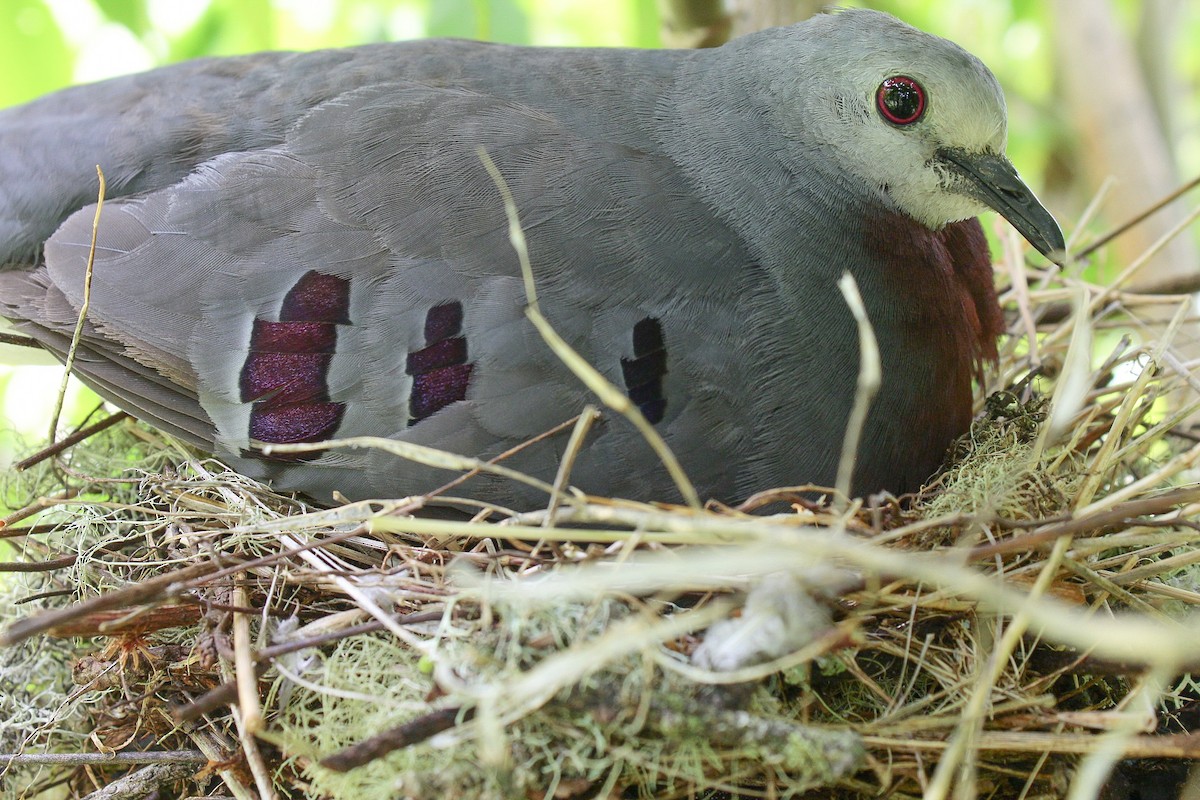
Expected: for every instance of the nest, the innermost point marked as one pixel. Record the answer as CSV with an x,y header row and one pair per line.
x,y
1021,626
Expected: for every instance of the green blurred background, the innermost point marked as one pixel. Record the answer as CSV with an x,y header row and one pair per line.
x,y
1096,88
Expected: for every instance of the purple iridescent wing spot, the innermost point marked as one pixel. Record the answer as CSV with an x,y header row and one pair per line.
x,y
286,373
439,370
317,297
293,337
644,372
297,422
277,379
443,322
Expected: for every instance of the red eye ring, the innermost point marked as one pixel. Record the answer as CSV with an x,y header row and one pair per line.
x,y
901,100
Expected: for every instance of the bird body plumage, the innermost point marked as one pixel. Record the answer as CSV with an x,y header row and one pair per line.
x,y
303,246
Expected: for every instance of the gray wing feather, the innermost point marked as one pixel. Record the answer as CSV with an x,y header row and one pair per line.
x,y
383,186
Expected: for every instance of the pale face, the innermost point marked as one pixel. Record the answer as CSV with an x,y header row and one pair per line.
x,y
919,122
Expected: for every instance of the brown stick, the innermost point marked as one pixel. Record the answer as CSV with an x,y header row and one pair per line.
x,y
26,530
1137,219
226,693
406,735
39,566
19,341
102,759
69,441
1184,746
133,595
1125,511
37,507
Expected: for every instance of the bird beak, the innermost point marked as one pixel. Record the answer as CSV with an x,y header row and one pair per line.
x,y
992,180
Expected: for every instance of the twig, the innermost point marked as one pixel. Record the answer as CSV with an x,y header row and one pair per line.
x,y
83,310
156,588
247,713
245,674
1123,513
70,441
39,566
145,782
870,377
18,340
1138,218
574,447
1127,274
591,377
406,735
1182,746
557,429
26,530
94,759
37,507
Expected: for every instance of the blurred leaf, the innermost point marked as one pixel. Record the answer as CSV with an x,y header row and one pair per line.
x,y
34,58
130,13
229,27
453,18
506,22
358,22
493,20
646,28
199,41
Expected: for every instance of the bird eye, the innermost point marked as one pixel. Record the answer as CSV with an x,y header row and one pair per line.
x,y
901,100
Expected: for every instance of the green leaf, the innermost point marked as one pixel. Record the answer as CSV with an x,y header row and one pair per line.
x,y
506,22
229,27
130,13
646,28
453,18
34,57
490,20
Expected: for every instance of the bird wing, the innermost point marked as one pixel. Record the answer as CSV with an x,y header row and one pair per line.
x,y
358,279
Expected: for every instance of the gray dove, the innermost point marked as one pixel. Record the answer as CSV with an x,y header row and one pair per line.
x,y
297,247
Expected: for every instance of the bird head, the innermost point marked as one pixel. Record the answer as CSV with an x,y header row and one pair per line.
x,y
920,122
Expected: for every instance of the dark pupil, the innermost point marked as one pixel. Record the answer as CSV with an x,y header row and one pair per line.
x,y
902,100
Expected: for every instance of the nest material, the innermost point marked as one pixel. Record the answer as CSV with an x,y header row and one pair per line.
x,y
1022,624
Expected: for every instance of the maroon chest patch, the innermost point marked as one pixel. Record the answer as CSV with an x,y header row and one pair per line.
x,y
932,295
942,284
286,371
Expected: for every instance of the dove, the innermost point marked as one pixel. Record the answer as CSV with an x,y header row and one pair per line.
x,y
299,247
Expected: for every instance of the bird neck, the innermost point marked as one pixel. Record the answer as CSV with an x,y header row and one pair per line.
x,y
934,289
932,299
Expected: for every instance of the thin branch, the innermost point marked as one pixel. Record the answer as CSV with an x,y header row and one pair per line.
x,y
101,759
83,308
70,441
1139,218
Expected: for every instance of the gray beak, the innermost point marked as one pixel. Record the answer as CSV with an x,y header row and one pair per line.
x,y
992,180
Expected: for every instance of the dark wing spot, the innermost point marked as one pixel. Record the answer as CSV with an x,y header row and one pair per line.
x,y
286,372
445,353
318,297
444,321
296,422
293,337
434,390
275,379
439,370
644,372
